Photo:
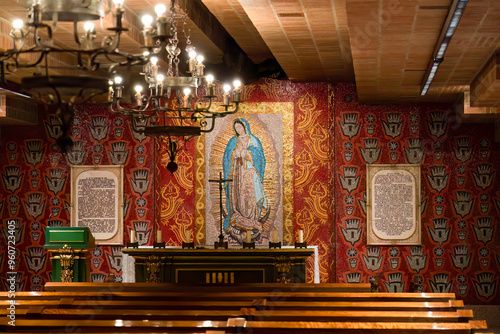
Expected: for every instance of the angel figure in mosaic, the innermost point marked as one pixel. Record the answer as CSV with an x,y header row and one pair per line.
x,y
244,162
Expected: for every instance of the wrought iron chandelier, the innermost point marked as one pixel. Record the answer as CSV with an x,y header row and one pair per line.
x,y
173,107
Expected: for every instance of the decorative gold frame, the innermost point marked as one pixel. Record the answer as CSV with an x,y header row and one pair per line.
x,y
109,171
387,202
286,109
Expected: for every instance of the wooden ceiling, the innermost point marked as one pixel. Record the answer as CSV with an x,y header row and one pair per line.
x,y
385,46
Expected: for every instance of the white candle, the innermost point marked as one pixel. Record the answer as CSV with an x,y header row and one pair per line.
x,y
210,89
191,65
132,236
301,236
275,236
249,237
188,236
158,236
111,93
227,90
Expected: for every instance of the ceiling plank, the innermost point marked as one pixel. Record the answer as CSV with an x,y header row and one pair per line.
x,y
308,38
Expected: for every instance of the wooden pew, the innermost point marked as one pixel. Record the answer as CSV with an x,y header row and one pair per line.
x,y
365,305
249,313
231,300
165,287
234,301
268,309
275,296
256,327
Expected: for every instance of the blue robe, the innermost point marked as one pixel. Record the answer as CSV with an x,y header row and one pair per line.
x,y
257,163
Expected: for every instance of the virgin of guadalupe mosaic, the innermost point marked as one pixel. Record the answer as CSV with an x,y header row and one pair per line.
x,y
247,149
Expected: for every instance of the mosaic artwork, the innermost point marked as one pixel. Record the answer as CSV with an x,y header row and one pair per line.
x,y
269,158
248,150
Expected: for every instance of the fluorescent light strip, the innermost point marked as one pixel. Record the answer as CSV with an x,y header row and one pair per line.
x,y
430,77
438,56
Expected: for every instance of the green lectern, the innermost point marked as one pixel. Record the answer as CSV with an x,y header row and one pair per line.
x,y
68,247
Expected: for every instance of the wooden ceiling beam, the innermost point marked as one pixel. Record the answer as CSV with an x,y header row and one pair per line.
x,y
212,28
485,88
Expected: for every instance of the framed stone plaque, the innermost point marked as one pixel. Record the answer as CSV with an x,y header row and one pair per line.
x,y
97,202
393,205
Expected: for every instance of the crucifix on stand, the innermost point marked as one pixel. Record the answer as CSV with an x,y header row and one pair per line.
x,y
221,243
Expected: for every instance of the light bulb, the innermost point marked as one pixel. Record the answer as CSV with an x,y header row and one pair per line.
x,y
192,54
138,89
226,88
210,78
237,84
110,82
154,60
145,53
187,91
160,78
88,26
18,24
147,20
160,9
200,59
118,80
118,3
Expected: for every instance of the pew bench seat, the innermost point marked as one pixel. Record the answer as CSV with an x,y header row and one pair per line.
x,y
256,327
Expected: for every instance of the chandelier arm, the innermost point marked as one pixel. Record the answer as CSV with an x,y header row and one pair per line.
x,y
177,111
112,110
21,44
183,114
92,95
15,52
122,110
180,113
97,53
212,126
107,41
197,115
132,112
230,112
119,110
75,34
206,112
145,106
114,42
157,112
79,59
40,42
18,38
132,60
207,108
17,64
